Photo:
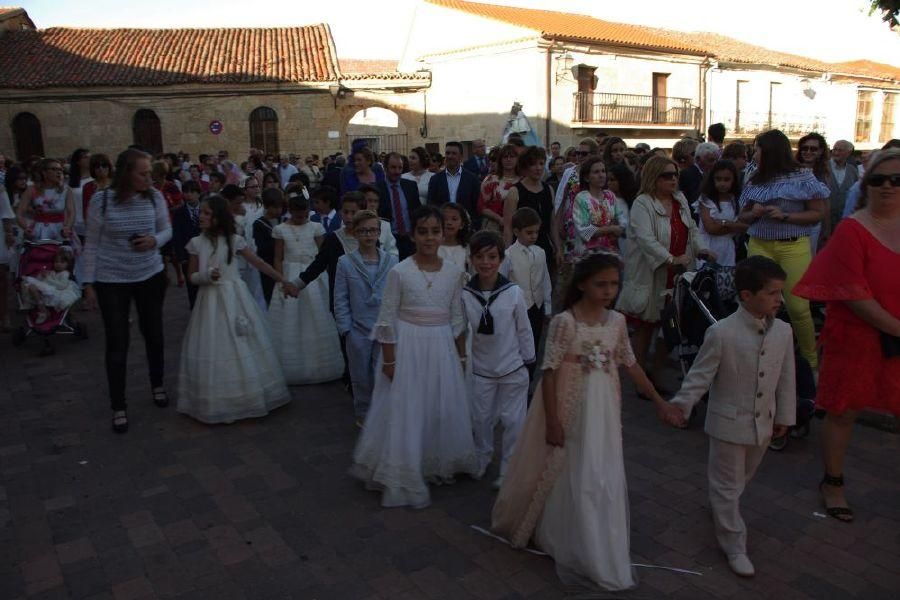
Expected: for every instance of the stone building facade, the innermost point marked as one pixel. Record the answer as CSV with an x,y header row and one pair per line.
x,y
197,90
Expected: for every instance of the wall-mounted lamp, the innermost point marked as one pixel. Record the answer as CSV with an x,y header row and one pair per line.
x,y
338,91
808,90
564,64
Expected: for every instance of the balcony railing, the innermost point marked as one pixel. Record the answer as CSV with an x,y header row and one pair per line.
x,y
753,123
632,109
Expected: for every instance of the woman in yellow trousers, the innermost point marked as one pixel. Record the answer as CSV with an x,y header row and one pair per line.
x,y
782,203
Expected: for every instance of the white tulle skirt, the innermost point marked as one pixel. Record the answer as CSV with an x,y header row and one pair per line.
x,y
228,370
304,333
418,428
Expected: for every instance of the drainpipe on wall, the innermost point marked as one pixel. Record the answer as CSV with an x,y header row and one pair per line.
x,y
704,70
549,100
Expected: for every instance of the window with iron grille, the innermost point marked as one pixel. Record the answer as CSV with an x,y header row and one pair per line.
x,y
264,130
887,118
863,116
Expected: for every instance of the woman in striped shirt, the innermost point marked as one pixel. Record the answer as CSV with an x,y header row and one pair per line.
x,y
127,225
782,203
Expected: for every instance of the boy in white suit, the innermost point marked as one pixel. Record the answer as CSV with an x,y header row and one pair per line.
x,y
502,347
746,363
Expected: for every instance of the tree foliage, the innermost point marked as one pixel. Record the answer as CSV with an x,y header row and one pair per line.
x,y
890,9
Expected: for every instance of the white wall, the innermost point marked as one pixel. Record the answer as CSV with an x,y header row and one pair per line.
x,y
831,112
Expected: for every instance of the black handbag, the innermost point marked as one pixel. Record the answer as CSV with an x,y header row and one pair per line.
x,y
890,345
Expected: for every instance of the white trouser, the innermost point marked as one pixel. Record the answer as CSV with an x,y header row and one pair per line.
x,y
731,466
503,399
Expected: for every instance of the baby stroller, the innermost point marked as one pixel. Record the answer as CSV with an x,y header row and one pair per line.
x,y
701,298
37,256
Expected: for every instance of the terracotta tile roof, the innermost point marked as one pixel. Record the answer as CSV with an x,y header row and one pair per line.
x,y
867,67
552,24
67,57
557,25
372,68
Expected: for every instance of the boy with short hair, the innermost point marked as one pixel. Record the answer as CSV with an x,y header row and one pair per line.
x,y
746,363
323,201
502,347
273,205
526,265
359,284
186,225
386,237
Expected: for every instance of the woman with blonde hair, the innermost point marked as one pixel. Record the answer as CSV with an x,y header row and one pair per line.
x,y
856,276
663,241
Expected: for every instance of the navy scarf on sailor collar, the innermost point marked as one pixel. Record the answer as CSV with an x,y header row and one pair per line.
x,y
375,287
486,323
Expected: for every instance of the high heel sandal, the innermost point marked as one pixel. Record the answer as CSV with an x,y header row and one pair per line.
x,y
844,514
120,421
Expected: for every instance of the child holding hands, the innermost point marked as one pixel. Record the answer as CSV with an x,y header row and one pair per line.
x,y
746,363
565,486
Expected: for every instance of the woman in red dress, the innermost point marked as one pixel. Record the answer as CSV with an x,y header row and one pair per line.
x,y
856,275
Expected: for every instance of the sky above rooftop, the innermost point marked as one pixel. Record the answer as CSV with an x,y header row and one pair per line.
x,y
831,30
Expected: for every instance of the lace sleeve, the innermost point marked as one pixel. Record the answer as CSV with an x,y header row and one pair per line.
x,y
384,330
559,338
623,355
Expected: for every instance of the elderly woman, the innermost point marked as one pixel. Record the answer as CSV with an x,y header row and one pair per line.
x,y
46,210
662,240
782,203
856,275
127,224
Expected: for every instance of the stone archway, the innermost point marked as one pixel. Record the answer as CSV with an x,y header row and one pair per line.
x,y
383,127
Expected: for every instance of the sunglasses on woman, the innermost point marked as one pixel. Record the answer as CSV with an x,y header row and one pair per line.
x,y
809,149
879,179
668,175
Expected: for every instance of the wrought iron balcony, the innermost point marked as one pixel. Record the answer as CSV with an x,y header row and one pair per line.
x,y
748,123
633,109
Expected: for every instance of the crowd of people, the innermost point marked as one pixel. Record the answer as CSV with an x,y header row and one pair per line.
x,y
452,296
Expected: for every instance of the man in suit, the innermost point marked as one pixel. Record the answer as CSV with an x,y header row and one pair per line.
x,y
398,200
455,184
477,163
841,177
332,176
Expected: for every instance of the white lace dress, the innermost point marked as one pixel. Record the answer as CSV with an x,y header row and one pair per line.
x,y
228,369
418,429
303,330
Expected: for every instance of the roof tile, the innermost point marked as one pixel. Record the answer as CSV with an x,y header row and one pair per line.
x,y
69,57
582,27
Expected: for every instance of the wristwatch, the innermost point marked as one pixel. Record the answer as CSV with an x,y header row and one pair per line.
x,y
784,218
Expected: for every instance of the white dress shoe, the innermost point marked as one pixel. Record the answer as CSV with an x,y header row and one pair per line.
x,y
741,565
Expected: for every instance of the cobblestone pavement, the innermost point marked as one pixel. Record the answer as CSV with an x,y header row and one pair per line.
x,y
264,508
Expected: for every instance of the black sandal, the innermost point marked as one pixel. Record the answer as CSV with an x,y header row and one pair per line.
x,y
844,514
160,398
120,421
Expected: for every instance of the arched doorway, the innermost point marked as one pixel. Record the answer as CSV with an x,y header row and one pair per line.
x,y
147,131
382,127
28,136
264,130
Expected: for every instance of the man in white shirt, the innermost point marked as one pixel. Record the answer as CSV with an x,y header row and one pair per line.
x,y
285,170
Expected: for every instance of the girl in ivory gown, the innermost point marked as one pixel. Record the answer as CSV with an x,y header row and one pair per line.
x,y
565,485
